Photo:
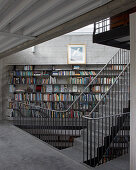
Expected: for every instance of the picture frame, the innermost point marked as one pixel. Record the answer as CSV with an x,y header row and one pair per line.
x,y
76,54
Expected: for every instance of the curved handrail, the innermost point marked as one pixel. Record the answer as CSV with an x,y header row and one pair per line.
x,y
98,118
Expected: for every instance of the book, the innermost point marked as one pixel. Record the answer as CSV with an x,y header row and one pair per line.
x,y
56,88
74,88
76,67
48,88
11,88
62,89
38,88
66,88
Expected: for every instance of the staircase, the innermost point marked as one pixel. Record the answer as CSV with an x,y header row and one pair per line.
x,y
91,135
108,128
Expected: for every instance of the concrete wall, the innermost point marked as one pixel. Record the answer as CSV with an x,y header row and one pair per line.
x,y
133,92
53,52
1,88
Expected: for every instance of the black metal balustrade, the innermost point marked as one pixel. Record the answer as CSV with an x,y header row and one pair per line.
x,y
60,128
108,24
102,26
113,31
57,128
107,134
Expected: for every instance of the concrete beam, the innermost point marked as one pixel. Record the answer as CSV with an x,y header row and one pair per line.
x,y
112,8
8,34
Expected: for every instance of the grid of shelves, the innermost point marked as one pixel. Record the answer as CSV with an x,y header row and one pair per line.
x,y
57,88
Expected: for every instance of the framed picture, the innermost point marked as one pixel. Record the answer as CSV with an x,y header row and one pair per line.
x,y
76,54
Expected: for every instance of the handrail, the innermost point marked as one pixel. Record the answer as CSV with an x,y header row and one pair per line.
x,y
92,81
39,107
86,116
98,118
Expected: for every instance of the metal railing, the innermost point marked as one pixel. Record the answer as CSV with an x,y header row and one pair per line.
x,y
110,23
107,134
56,128
59,128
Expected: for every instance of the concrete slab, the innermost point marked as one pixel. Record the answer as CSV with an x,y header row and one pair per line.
x,y
21,151
120,163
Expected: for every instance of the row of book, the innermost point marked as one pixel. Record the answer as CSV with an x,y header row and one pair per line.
x,y
53,97
92,73
118,67
48,105
100,89
79,80
50,80
74,113
47,89
28,67
55,88
105,80
76,73
58,97
43,97
19,73
28,73
58,89
32,80
63,73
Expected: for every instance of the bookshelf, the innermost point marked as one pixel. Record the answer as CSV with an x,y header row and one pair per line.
x,y
57,86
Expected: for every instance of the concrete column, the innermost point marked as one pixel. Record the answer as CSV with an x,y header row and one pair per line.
x,y
133,91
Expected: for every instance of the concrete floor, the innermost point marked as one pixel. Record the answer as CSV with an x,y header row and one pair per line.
x,y
21,151
121,163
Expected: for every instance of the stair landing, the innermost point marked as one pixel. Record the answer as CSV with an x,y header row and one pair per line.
x,y
22,151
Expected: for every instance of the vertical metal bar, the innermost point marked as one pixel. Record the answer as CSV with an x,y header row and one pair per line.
x,y
112,112
94,29
102,132
65,129
83,120
90,142
48,127
94,140
98,154
109,126
87,139
122,117
53,129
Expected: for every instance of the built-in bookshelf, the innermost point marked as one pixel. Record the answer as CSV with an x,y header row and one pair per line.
x,y
56,87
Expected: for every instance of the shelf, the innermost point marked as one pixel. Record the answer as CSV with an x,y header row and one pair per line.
x,y
58,92
47,84
42,101
47,76
63,84
50,101
57,70
48,92
31,76
42,76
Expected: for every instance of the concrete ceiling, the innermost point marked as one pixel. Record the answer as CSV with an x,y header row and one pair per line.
x,y
24,23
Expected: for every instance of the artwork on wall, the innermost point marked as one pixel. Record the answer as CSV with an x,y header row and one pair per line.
x,y
76,54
